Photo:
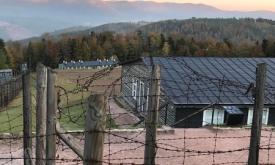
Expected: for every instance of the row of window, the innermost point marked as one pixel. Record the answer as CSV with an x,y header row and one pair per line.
x,y
140,95
218,116
95,67
6,74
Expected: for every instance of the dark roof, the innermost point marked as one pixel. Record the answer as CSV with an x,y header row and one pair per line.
x,y
210,80
89,63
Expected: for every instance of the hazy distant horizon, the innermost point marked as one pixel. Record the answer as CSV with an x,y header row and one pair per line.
x,y
240,5
21,19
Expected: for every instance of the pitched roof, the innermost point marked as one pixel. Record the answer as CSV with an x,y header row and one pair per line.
x,y
209,80
5,70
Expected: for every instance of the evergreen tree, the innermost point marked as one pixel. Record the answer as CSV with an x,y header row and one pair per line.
x,y
265,44
4,59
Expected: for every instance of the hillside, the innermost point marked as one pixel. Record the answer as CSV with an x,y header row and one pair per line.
x,y
121,27
191,37
69,30
235,30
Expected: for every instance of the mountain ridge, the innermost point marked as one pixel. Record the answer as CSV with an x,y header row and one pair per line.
x,y
236,30
38,19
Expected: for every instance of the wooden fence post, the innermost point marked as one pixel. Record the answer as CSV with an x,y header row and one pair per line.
x,y
41,112
51,118
68,139
1,95
27,118
253,158
152,117
94,130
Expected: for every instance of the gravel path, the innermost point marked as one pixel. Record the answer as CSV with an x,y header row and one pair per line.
x,y
122,117
230,147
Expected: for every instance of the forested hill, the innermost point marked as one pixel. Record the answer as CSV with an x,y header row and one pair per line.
x,y
235,30
127,41
120,28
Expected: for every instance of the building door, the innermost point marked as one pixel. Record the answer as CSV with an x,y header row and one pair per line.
x,y
218,117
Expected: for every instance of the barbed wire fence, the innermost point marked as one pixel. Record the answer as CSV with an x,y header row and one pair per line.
x,y
92,125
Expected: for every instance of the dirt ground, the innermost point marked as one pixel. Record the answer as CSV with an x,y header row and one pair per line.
x,y
122,117
230,147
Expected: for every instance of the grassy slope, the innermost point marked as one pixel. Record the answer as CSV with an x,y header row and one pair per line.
x,y
72,109
72,105
11,117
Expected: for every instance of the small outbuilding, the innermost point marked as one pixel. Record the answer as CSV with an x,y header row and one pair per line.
x,y
200,91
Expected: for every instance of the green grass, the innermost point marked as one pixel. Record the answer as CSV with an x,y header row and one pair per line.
x,y
11,121
11,117
71,117
72,106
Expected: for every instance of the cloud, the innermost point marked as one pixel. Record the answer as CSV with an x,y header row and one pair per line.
x,y
62,1
37,1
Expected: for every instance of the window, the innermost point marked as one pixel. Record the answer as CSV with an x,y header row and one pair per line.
x,y
147,99
134,88
264,118
141,96
218,117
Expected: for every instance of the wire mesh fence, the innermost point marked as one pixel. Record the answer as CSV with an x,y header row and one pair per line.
x,y
9,90
125,131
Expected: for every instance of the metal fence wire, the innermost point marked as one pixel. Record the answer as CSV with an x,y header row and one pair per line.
x,y
9,90
124,128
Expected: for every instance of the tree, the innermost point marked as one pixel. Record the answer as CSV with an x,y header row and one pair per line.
x,y
30,56
228,43
162,40
172,45
85,51
154,43
166,49
265,44
270,52
4,60
15,54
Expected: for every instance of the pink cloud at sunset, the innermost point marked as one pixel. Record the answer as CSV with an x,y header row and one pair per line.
x,y
243,5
